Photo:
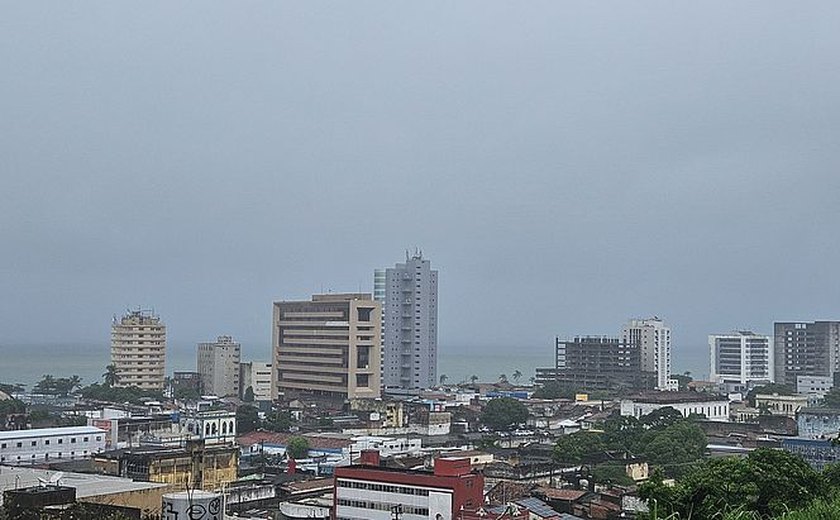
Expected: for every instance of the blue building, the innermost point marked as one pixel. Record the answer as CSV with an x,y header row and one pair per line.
x,y
819,453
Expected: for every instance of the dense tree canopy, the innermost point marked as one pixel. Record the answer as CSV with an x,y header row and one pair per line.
x,y
504,413
766,482
298,447
247,419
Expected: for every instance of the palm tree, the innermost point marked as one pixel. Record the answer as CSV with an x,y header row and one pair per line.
x,y
532,380
517,375
473,379
503,378
443,378
110,376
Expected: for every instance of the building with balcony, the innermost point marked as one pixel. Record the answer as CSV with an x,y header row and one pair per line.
x,y
741,360
408,294
138,350
654,340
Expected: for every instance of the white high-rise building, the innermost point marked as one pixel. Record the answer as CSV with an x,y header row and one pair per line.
x,y
138,350
218,365
408,293
741,360
654,339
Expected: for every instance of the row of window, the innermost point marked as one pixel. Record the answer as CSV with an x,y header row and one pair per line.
x,y
381,506
46,442
46,456
387,488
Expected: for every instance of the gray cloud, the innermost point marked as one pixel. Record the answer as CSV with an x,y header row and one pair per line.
x,y
565,165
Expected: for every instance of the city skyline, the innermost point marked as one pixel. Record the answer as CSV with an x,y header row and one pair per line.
x,y
583,168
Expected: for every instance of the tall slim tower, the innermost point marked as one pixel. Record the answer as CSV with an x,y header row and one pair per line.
x,y
654,339
218,364
408,293
138,350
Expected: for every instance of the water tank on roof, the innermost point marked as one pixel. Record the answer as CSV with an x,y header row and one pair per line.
x,y
193,505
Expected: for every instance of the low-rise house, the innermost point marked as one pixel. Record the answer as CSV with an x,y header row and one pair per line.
x,y
777,404
49,444
713,407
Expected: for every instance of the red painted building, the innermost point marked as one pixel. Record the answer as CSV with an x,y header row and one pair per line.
x,y
370,492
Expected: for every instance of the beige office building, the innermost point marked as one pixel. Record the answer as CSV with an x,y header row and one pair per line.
x,y
329,346
218,365
138,350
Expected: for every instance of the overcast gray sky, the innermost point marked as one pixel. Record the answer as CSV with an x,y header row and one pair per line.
x,y
565,165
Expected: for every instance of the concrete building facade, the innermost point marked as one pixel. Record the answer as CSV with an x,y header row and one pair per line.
x,y
42,445
590,363
741,360
218,364
654,340
138,350
806,349
255,375
377,493
328,346
408,294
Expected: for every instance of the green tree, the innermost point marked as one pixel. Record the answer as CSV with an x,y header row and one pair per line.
x,y
473,379
443,379
577,447
248,396
503,414
247,419
683,379
832,398
517,375
298,447
611,473
278,421
110,377
661,418
767,482
555,390
503,378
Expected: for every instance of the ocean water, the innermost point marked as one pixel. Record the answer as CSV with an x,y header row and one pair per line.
x,y
27,364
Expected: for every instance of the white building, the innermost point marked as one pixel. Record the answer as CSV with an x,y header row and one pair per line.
x,y
408,293
741,360
50,444
257,376
211,426
138,350
715,408
654,340
218,365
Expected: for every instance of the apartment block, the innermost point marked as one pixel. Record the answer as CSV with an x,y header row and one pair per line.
x,y
805,349
408,293
654,340
255,375
218,364
138,350
328,346
741,360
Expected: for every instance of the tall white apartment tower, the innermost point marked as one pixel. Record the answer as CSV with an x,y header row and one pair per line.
x,y
654,339
218,365
138,350
408,293
741,360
